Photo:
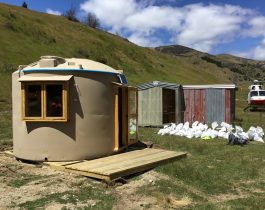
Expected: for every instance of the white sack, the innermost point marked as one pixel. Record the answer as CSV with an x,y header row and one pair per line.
x,y
214,125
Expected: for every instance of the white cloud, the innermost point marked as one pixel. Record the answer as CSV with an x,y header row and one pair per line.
x,y
198,26
256,29
154,17
111,13
142,40
53,12
206,26
257,53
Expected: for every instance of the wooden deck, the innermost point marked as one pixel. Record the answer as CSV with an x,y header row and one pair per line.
x,y
120,165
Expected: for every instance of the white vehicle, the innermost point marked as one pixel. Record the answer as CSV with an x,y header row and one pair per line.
x,y
256,95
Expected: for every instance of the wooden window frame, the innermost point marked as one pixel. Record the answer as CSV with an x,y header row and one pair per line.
x,y
43,117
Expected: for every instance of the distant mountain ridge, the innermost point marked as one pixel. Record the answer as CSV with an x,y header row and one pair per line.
x,y
176,49
243,68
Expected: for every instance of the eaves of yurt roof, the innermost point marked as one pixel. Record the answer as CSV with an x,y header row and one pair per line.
x,y
165,85
54,63
215,86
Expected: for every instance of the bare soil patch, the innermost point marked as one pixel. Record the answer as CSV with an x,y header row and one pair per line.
x,y
22,183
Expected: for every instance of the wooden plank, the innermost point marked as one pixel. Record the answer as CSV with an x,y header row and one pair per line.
x,y
142,167
125,165
116,119
83,173
134,168
119,165
97,163
115,166
65,163
130,161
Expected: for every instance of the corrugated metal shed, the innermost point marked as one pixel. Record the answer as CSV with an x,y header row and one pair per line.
x,y
208,103
159,103
203,103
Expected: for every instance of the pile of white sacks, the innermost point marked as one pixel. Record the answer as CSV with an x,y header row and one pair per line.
x,y
203,131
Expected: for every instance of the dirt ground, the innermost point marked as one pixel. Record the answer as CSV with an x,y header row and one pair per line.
x,y
22,185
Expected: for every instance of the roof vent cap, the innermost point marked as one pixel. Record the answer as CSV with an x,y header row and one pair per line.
x,y
50,61
155,83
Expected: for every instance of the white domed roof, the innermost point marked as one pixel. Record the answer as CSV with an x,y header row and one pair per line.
x,y
58,63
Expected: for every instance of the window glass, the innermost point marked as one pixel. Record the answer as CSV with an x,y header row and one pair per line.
x,y
123,79
33,100
132,101
132,115
254,93
262,93
54,100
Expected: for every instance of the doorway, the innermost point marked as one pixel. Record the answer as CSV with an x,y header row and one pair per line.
x,y
125,116
169,106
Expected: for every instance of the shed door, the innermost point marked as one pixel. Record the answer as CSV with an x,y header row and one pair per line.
x,y
215,105
194,105
169,106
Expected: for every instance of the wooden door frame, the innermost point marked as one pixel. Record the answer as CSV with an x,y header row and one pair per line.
x,y
125,116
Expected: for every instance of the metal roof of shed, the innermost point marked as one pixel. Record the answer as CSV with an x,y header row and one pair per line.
x,y
165,85
216,86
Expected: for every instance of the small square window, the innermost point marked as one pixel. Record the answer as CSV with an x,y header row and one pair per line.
x,y
45,101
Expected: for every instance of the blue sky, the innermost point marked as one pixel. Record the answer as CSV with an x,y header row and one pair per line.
x,y
236,27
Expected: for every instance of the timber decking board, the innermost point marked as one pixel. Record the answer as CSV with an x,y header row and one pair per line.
x,y
101,162
119,165
123,163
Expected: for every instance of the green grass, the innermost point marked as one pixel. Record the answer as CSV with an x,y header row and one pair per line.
x,y
5,109
103,201
24,179
213,168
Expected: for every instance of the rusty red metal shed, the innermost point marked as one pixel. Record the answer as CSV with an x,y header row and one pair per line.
x,y
208,103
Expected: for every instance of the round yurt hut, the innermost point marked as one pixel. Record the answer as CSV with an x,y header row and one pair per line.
x,y
71,109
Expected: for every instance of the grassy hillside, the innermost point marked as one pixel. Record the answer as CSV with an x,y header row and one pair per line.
x,y
25,35
239,69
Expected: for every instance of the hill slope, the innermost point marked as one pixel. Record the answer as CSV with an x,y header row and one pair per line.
x,y
25,35
241,69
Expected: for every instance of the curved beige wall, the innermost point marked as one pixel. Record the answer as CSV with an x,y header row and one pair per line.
x,y
89,132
